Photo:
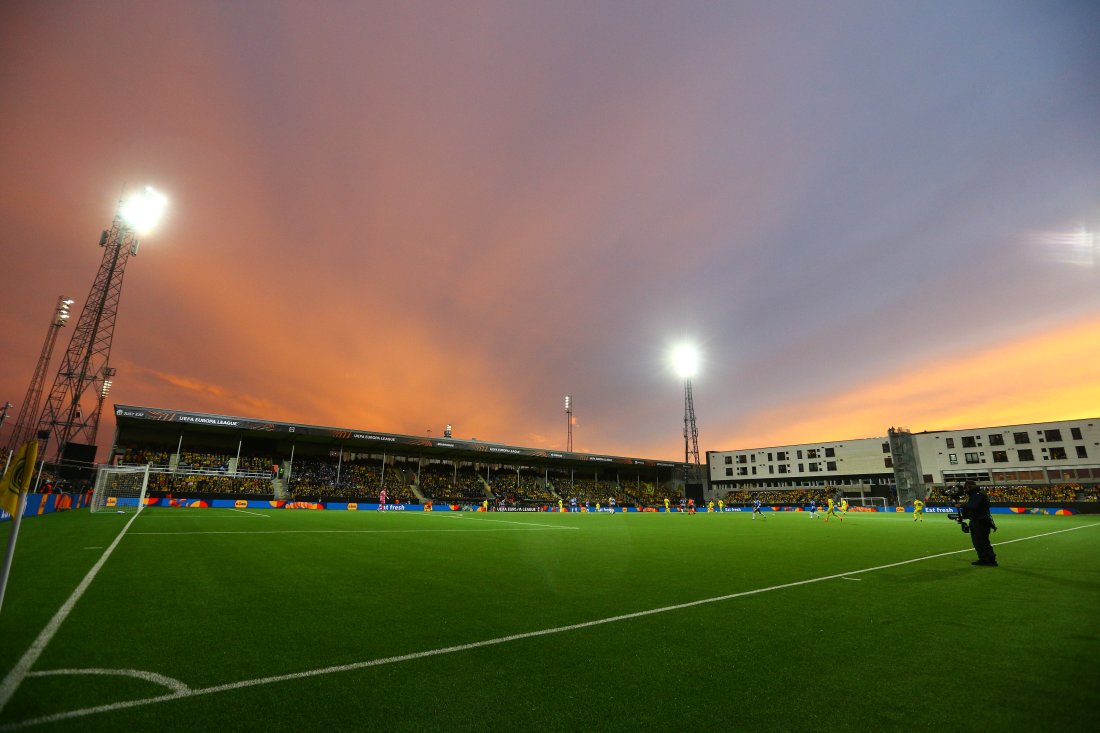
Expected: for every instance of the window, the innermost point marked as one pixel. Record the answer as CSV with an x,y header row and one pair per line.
x,y
781,455
888,462
830,466
953,459
1057,454
754,470
1081,452
830,452
1075,433
1025,454
742,471
729,471
769,456
1021,438
800,468
771,469
1053,436
729,460
972,458
811,453
885,447
1000,456
782,468
968,441
742,459
950,442
752,458
800,457
996,439
815,467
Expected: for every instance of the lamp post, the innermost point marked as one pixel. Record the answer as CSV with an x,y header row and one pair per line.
x,y
685,360
89,351
569,423
28,411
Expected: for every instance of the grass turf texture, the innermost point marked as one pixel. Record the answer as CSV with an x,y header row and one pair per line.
x,y
218,597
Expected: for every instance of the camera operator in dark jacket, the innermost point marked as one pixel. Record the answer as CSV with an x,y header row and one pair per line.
x,y
976,509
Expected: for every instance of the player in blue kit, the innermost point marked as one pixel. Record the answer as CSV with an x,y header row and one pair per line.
x,y
756,510
813,508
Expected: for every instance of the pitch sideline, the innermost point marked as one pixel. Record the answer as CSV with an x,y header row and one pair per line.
x,y
184,692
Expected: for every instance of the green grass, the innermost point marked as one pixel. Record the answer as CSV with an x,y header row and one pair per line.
x,y
217,597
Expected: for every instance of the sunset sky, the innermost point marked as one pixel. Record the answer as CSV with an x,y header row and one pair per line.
x,y
396,215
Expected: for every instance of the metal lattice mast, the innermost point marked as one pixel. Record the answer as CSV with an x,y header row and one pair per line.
x,y
691,433
569,423
71,413
28,411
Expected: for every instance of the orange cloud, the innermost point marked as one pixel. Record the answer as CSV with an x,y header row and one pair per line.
x,y
1048,375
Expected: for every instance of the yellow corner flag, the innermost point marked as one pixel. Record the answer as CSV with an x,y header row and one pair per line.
x,y
18,477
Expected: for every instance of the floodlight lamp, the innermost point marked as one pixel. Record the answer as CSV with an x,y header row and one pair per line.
x,y
685,360
142,210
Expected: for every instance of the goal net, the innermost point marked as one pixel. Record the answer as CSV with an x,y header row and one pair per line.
x,y
867,501
120,489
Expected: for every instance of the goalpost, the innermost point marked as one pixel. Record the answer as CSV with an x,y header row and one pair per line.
x,y
120,489
872,501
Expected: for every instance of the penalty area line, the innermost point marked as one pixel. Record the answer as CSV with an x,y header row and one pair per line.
x,y
243,684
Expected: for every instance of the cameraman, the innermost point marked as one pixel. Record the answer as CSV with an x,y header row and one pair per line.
x,y
976,509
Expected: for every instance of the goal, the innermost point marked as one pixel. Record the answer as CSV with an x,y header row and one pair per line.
x,y
867,501
120,489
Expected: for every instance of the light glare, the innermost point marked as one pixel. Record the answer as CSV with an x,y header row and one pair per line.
x,y
142,210
685,360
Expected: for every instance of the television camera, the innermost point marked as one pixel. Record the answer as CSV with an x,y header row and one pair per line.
x,y
958,494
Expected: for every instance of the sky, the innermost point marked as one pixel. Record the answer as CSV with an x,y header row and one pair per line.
x,y
393,216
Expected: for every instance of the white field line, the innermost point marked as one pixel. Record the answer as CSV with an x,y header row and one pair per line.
x,y
170,682
23,666
504,521
534,528
480,644
243,511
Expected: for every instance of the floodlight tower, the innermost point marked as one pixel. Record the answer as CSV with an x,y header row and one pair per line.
x,y
569,423
71,413
685,359
28,411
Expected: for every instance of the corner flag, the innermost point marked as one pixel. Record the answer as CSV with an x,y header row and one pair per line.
x,y
18,478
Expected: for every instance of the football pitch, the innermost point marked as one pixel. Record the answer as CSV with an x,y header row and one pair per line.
x,y
222,619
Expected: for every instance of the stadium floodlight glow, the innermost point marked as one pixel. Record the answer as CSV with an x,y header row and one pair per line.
x,y
685,360
142,211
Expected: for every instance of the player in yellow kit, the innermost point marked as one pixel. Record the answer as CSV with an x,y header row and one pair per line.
x,y
561,506
844,506
666,505
918,510
710,507
721,506
831,511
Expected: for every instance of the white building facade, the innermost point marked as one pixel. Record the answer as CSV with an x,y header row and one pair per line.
x,y
1067,451
861,463
1035,454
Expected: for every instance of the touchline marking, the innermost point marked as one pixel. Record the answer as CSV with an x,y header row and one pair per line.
x,y
509,521
23,666
533,528
189,693
255,514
